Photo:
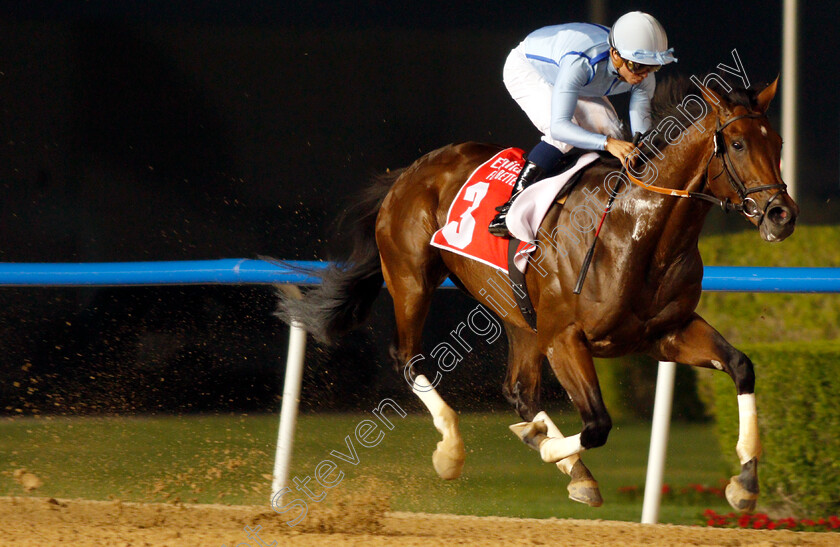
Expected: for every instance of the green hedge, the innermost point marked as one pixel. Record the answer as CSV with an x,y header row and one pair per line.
x,y
753,317
628,385
808,246
798,399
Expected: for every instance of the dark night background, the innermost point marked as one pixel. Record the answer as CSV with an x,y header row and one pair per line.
x,y
196,130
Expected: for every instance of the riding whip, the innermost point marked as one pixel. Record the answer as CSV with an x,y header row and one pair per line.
x,y
588,258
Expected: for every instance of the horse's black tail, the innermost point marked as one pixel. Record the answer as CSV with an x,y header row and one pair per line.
x,y
348,288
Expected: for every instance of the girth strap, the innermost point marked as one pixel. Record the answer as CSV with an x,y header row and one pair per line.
x,y
520,288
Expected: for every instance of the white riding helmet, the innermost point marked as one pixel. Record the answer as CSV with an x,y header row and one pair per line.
x,y
639,37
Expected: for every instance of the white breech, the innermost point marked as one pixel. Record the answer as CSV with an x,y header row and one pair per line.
x,y
533,94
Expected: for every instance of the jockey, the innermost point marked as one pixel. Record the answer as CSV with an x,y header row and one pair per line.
x,y
561,76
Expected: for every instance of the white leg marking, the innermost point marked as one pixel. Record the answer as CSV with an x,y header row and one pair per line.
x,y
566,464
430,397
717,364
448,458
748,446
553,449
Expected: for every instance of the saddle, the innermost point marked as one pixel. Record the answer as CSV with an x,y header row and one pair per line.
x,y
568,161
517,277
471,210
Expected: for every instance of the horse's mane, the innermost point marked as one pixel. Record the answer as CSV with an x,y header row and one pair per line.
x,y
671,91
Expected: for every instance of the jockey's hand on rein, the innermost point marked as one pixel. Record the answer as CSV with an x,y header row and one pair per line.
x,y
620,149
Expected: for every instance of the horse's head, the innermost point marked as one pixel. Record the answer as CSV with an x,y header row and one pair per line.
x,y
744,168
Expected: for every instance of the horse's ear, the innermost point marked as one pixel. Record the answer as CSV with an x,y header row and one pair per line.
x,y
767,95
713,98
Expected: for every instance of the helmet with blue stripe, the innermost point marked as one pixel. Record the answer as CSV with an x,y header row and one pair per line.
x,y
640,38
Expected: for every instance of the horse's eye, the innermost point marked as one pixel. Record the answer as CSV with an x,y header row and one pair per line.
x,y
738,145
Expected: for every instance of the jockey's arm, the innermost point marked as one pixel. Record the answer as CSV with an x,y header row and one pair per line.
x,y
573,75
640,98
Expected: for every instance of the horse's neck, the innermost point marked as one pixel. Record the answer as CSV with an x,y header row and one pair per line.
x,y
671,225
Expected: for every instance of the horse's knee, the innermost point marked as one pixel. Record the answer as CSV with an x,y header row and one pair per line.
x,y
595,432
742,372
524,402
510,393
396,359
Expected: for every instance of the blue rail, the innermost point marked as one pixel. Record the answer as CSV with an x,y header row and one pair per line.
x,y
186,272
771,279
249,271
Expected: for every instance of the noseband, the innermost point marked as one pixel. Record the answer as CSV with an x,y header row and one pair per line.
x,y
747,205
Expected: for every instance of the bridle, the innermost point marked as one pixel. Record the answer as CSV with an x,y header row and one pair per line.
x,y
747,205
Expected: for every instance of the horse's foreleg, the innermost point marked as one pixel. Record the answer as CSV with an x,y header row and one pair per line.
x,y
572,364
699,344
521,388
583,487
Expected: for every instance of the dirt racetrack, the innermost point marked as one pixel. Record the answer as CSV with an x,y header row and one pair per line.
x,y
42,521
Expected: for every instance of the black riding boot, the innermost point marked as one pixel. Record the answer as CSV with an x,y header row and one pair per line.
x,y
530,174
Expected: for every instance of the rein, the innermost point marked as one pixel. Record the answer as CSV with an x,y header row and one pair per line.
x,y
747,205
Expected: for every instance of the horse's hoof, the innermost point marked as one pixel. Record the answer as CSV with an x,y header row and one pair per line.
x,y
585,491
530,433
739,497
583,487
448,460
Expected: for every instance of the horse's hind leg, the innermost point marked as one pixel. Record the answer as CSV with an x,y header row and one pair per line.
x,y
412,280
448,457
522,389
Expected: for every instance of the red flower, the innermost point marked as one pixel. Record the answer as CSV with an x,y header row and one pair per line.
x,y
759,523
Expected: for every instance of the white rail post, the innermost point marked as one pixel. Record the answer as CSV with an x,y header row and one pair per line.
x,y
658,441
790,93
289,406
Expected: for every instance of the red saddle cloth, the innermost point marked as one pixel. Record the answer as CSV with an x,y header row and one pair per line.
x,y
489,186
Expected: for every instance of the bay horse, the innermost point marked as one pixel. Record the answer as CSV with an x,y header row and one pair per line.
x,y
640,295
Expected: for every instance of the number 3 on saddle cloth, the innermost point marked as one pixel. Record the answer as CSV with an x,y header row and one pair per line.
x,y
489,186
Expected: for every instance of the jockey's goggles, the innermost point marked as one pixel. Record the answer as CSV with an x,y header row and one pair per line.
x,y
639,68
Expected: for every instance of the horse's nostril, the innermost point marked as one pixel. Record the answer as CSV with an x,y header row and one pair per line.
x,y
779,215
